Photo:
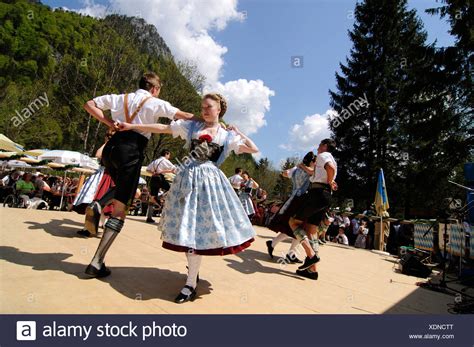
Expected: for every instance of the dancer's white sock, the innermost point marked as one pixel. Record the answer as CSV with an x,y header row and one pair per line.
x,y
294,244
194,263
277,239
293,252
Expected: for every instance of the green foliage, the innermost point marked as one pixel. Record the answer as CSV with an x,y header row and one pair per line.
x,y
411,127
73,58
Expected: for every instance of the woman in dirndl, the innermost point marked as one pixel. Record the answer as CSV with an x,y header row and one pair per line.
x,y
248,186
203,214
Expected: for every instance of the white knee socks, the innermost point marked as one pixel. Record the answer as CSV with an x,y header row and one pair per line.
x,y
194,263
277,239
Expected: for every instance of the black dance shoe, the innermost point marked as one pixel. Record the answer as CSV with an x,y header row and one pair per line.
x,y
307,274
292,259
150,220
182,298
270,248
308,262
322,241
93,272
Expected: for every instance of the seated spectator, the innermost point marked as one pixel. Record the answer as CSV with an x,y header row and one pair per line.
x,y
7,183
41,186
25,188
341,236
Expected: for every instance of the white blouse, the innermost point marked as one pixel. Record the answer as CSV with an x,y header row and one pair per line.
x,y
181,128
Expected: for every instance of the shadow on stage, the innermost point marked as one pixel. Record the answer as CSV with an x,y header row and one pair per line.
x,y
58,227
251,262
138,283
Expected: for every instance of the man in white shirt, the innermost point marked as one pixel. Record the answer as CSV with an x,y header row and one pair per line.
x,y
158,168
122,156
236,180
315,206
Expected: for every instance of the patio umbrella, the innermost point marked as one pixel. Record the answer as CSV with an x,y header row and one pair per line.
x,y
70,158
18,164
8,145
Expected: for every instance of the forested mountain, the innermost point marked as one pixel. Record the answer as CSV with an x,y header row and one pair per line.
x,y
68,59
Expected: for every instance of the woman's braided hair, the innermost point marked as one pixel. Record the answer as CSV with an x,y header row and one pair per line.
x,y
220,99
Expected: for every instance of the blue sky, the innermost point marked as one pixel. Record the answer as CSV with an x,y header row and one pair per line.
x,y
260,46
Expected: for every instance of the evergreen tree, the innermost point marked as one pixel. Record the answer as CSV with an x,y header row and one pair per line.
x,y
404,127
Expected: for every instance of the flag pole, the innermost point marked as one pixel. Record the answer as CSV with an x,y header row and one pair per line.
x,y
381,235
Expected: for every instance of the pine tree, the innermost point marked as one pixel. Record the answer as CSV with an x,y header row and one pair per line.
x,y
404,128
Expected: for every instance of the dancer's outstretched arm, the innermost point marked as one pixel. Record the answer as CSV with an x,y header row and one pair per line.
x,y
186,115
249,146
152,128
308,170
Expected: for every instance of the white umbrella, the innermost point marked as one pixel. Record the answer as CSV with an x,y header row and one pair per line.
x,y
8,145
70,158
17,164
61,158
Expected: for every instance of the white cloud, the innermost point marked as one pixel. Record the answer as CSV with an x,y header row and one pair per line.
x,y
185,25
247,103
306,136
92,9
257,156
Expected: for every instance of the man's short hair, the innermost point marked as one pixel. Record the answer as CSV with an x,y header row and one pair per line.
x,y
165,152
149,80
330,143
238,170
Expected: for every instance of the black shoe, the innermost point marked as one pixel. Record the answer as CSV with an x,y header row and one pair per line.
x,y
322,241
150,220
270,248
92,217
181,298
93,272
84,232
308,262
307,274
292,259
